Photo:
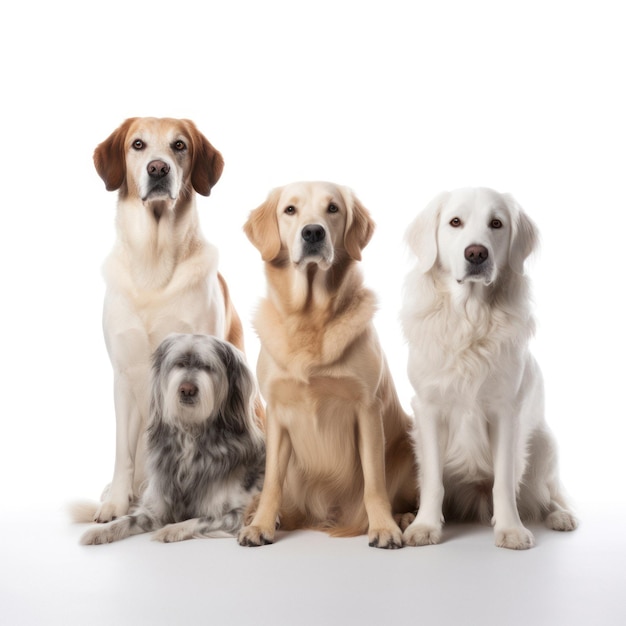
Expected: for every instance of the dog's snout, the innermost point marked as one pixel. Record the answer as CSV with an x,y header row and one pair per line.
x,y
313,233
158,169
476,254
187,390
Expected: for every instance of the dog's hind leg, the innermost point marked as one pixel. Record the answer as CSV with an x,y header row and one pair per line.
x,y
119,529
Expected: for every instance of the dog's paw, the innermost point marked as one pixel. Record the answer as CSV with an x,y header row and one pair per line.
x,y
404,520
385,538
253,536
171,534
110,510
98,536
517,538
422,535
561,520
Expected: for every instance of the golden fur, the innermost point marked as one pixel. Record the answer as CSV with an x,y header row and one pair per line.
x,y
339,455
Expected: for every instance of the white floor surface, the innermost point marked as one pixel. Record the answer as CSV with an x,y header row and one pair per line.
x,y
305,578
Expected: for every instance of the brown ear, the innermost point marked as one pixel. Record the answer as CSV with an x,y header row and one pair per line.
x,y
359,226
262,227
110,159
207,162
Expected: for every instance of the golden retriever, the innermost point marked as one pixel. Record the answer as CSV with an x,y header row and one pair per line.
x,y
339,454
484,448
161,276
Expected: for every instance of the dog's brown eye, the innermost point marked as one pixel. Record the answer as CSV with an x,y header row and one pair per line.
x,y
138,144
333,208
290,210
496,224
455,222
179,145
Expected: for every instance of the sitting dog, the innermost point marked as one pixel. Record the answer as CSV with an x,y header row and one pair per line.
x,y
339,450
484,448
161,277
205,452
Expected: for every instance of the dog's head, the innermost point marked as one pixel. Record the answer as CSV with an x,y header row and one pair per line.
x,y
197,379
158,159
472,235
310,222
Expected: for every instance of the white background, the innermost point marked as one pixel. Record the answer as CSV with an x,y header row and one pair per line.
x,y
398,100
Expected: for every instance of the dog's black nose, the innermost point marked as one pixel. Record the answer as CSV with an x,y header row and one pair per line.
x,y
312,233
158,169
187,390
476,254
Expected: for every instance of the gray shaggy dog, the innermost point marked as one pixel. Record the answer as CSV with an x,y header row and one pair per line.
x,y
205,452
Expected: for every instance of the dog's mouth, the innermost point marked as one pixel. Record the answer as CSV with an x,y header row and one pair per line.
x,y
159,191
477,274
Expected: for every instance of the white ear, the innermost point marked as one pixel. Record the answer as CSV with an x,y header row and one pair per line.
x,y
524,236
421,234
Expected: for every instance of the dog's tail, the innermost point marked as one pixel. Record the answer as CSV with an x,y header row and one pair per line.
x,y
82,512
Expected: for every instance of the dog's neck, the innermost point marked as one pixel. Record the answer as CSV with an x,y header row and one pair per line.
x,y
311,290
156,235
311,317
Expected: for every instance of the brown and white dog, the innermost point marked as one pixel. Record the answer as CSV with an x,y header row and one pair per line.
x,y
339,454
161,276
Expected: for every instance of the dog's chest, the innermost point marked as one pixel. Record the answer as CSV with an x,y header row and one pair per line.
x,y
195,475
465,440
320,417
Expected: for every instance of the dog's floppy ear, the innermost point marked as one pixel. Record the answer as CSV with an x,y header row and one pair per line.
x,y
262,227
109,157
238,407
158,356
524,236
359,225
207,162
421,235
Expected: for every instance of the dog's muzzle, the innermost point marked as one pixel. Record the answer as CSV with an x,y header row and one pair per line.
x,y
187,393
313,239
477,263
158,179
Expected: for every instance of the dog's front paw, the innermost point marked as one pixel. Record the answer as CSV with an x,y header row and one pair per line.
x,y
561,520
385,538
172,533
422,535
98,536
253,536
110,510
516,538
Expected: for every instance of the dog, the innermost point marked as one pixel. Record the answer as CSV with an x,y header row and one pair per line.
x,y
161,276
339,452
205,452
485,451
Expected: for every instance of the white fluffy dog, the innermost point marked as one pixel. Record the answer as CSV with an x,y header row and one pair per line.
x,y
480,429
205,452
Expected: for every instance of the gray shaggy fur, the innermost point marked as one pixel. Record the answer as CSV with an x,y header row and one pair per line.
x,y
206,454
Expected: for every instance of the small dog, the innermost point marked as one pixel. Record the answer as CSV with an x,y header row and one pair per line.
x,y
205,452
479,408
161,277
339,449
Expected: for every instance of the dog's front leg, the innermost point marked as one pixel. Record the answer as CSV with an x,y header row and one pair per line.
x,y
426,528
509,530
126,526
278,451
130,397
383,531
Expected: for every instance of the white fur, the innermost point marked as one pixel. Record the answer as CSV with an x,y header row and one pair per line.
x,y
478,404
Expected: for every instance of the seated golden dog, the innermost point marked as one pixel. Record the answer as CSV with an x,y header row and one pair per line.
x,y
339,455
